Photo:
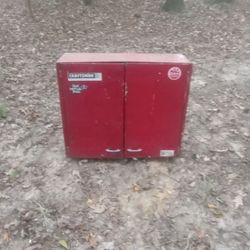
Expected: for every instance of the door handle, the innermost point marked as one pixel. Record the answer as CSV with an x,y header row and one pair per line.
x,y
113,150
134,150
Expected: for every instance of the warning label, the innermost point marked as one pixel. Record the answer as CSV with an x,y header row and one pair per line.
x,y
174,73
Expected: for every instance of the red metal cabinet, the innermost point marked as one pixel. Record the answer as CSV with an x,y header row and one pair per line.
x,y
123,105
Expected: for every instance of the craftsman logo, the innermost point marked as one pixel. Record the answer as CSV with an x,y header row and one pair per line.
x,y
174,73
84,77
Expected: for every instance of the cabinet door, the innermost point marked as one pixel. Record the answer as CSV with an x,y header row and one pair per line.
x,y
92,103
156,100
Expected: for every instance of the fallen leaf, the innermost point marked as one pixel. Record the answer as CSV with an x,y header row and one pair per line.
x,y
4,196
91,239
162,195
215,210
136,188
206,159
238,200
6,237
76,174
64,244
238,149
96,207
212,206
108,245
89,201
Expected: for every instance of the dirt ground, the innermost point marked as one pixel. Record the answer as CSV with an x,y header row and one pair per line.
x,y
199,200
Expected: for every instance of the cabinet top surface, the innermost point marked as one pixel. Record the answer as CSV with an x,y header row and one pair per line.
x,y
122,58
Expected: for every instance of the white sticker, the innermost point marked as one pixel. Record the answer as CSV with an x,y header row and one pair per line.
x,y
167,153
87,76
77,88
174,73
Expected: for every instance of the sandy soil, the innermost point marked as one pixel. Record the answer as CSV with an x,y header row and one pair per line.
x,y
199,200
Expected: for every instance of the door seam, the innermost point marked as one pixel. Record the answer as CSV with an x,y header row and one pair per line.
x,y
124,108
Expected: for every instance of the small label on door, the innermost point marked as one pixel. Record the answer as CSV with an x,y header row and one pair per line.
x,y
167,153
77,88
86,76
174,73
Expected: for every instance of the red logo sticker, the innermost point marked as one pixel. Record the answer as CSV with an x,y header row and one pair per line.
x,y
174,73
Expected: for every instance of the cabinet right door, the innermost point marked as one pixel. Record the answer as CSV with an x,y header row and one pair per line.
x,y
155,107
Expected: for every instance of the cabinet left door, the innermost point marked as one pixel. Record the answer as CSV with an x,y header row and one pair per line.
x,y
92,101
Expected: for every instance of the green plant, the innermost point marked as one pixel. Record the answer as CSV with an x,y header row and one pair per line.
x,y
3,111
87,2
173,5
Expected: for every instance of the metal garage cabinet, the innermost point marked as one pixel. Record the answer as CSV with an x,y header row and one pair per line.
x,y
123,105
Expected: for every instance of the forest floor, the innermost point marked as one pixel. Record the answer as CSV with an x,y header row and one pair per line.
x,y
199,200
